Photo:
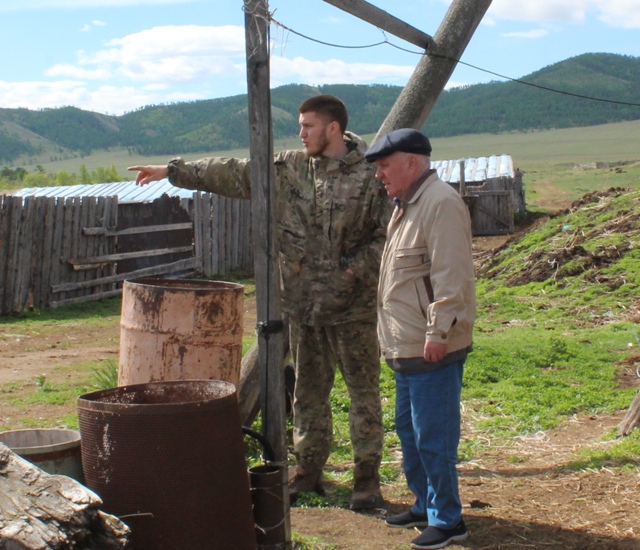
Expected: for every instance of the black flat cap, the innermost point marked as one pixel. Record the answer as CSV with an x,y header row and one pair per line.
x,y
406,140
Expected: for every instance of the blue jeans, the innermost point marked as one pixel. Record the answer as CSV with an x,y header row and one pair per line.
x,y
428,425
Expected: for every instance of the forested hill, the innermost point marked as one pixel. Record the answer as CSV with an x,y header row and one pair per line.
x,y
220,124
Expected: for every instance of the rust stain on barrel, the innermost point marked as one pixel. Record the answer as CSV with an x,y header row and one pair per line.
x,y
178,329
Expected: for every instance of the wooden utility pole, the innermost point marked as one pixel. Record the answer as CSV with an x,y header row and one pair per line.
x,y
432,73
263,211
411,110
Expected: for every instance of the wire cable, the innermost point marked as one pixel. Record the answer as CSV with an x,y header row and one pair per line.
x,y
516,80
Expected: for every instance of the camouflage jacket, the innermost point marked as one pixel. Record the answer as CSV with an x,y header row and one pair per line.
x,y
332,217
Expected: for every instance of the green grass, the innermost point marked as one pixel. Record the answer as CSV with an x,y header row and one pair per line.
x,y
101,313
556,313
540,154
623,454
105,375
59,388
309,543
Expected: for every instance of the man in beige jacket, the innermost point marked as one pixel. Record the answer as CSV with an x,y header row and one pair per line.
x,y
426,310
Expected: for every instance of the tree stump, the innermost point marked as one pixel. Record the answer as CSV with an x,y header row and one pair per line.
x,y
632,418
39,510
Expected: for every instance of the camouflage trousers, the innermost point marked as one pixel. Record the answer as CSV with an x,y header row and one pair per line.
x,y
354,349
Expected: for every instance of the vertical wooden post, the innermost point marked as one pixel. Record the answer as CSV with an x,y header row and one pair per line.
x,y
263,201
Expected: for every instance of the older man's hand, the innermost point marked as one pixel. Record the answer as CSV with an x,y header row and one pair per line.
x,y
434,351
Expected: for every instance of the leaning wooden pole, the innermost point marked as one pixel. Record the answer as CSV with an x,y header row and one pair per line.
x,y
434,69
263,211
631,418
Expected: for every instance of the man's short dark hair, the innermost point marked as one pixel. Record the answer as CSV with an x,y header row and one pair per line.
x,y
329,106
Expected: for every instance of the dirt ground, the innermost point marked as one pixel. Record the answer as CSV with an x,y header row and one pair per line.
x,y
515,496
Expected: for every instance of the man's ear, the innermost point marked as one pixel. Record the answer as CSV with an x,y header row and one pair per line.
x,y
335,127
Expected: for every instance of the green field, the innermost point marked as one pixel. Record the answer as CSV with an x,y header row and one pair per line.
x,y
605,143
550,160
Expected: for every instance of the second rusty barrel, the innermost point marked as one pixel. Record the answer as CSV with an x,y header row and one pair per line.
x,y
168,459
180,329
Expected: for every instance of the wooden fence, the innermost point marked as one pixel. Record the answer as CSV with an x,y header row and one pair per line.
x,y
57,251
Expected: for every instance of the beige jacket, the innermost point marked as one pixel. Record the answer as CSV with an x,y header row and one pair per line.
x,y
427,283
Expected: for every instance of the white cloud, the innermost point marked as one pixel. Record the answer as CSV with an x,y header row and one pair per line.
x,y
24,5
95,23
616,13
174,53
170,54
534,33
620,13
41,94
568,11
334,71
104,99
80,73
143,68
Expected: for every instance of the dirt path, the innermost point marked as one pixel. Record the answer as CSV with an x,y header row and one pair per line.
x,y
514,497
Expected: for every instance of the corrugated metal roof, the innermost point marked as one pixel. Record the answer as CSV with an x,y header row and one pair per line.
x,y
476,170
126,191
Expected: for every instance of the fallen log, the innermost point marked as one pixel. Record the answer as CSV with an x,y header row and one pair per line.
x,y
39,510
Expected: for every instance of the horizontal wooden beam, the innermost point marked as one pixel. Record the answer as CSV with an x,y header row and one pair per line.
x,y
173,267
129,255
383,20
104,231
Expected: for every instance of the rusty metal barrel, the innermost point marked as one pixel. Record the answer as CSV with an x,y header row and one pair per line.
x,y
168,459
180,329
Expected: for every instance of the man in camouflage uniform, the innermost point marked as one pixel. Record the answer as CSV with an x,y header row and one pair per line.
x,y
332,217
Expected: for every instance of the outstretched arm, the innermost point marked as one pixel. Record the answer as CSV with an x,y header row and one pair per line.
x,y
150,173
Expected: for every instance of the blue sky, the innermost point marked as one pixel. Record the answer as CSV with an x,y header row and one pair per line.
x,y
115,56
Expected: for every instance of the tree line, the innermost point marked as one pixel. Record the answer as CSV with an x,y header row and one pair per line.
x,y
18,178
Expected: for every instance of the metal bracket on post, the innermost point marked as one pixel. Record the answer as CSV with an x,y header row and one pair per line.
x,y
267,328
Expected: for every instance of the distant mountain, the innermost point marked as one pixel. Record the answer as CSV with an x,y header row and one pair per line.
x,y
514,106
221,124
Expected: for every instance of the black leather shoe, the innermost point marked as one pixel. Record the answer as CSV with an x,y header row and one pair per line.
x,y
434,537
407,520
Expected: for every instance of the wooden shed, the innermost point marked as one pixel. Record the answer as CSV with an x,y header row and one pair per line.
x,y
491,188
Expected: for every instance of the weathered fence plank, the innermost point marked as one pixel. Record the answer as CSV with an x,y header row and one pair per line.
x,y
4,245
14,236
56,251
44,273
58,232
23,253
